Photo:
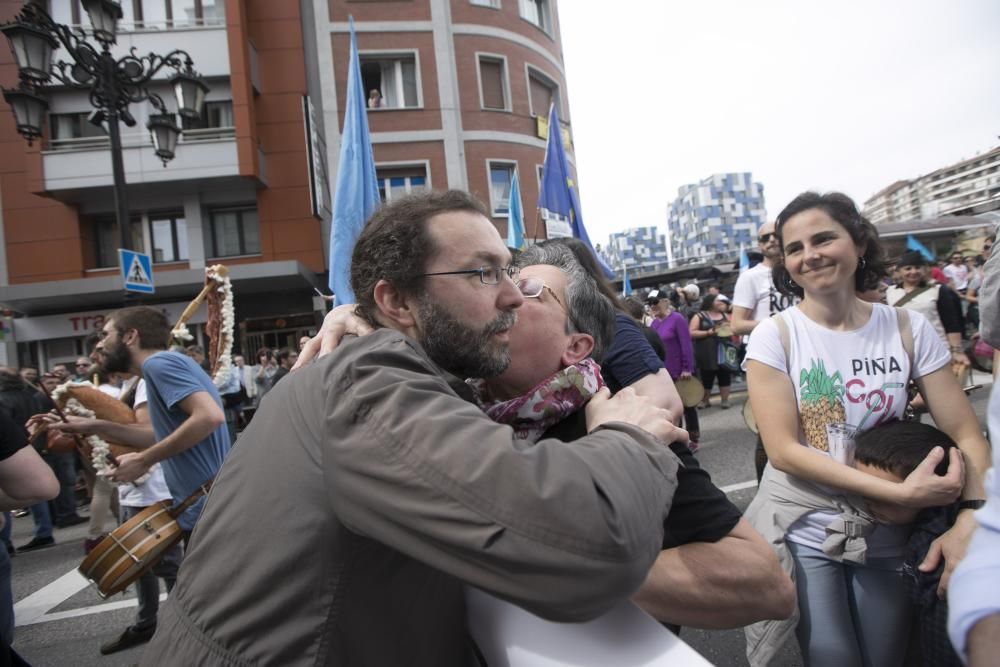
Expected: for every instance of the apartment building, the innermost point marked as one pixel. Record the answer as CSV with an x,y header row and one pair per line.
x,y
716,217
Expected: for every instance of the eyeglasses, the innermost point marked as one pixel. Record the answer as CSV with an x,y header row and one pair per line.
x,y
83,365
488,275
532,288
764,238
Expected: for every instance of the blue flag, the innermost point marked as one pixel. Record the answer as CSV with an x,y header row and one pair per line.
x,y
558,203
355,197
515,217
744,260
913,244
626,285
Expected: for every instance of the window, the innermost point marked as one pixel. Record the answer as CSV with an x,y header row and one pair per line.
x,y
493,83
394,77
543,92
234,232
164,14
395,182
73,130
536,12
107,242
168,234
501,175
495,4
216,120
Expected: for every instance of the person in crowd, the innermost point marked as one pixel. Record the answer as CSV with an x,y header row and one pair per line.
x,y
836,364
197,352
303,340
24,480
264,372
975,285
60,372
248,388
690,302
375,99
876,294
939,304
704,328
232,398
49,382
132,499
974,618
637,311
440,497
672,328
957,272
893,451
81,369
286,358
755,299
29,374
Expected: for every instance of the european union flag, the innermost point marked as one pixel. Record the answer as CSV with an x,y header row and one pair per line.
x,y
913,244
356,196
557,201
515,217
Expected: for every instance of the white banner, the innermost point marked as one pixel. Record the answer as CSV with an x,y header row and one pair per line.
x,y
71,325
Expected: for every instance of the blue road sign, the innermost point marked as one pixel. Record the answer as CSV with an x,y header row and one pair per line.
x,y
137,271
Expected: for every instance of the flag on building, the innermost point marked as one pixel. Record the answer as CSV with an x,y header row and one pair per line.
x,y
515,216
913,244
355,196
626,285
558,204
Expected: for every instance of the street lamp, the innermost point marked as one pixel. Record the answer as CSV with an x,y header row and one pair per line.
x,y
113,83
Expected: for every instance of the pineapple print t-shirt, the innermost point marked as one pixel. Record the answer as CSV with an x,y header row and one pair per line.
x,y
855,377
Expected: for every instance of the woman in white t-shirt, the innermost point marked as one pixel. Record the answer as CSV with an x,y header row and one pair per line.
x,y
844,361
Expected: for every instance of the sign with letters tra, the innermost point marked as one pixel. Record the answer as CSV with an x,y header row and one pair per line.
x,y
137,271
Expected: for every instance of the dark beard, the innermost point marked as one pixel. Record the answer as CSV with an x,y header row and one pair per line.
x,y
117,359
459,349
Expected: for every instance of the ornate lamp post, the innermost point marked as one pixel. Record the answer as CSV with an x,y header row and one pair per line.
x,y
113,83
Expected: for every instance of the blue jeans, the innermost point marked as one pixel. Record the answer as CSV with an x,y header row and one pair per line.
x,y
64,466
850,615
43,519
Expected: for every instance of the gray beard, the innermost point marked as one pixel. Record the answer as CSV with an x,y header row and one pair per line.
x,y
459,349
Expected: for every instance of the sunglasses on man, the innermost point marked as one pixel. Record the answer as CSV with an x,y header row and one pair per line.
x,y
764,238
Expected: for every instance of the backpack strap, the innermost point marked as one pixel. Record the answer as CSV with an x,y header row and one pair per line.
x,y
905,333
786,344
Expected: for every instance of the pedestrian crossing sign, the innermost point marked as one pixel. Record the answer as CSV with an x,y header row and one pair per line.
x,y
137,271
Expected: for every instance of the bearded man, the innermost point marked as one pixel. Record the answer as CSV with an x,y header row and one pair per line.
x,y
366,490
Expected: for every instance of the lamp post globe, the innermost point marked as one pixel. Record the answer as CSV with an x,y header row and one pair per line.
x,y
32,46
104,16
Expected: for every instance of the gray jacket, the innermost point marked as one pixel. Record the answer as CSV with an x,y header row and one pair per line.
x,y
366,491
989,306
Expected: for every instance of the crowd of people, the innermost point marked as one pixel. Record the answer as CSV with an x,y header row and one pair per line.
x,y
509,422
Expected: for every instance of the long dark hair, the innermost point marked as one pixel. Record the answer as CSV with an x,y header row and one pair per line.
x,y
842,209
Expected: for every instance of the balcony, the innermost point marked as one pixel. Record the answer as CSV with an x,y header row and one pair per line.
x,y
71,165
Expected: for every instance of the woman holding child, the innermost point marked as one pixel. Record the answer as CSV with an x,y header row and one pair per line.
x,y
836,365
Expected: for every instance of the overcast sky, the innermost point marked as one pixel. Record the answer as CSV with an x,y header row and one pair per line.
x,y
848,95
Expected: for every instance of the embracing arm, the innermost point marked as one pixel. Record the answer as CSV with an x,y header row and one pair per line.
x,y
726,584
660,390
773,400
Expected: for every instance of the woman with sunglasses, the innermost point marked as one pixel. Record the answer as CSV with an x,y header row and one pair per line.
x,y
835,364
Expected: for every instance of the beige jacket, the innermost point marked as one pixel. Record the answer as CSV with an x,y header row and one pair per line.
x,y
366,491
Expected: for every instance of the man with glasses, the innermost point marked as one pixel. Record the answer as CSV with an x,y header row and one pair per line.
x,y
755,299
367,490
82,370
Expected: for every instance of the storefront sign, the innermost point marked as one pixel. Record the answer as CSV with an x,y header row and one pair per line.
x,y
71,325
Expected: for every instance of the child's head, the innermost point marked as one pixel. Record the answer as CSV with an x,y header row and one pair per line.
x,y
894,450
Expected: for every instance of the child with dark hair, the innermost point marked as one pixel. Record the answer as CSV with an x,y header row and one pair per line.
x,y
892,451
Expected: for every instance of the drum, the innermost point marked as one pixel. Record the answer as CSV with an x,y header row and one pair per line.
x,y
748,417
691,391
131,549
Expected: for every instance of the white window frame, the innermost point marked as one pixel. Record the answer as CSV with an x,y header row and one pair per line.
x,y
489,4
508,106
533,70
403,164
397,54
489,183
546,25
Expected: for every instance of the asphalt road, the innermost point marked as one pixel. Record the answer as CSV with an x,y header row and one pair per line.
x,y
62,621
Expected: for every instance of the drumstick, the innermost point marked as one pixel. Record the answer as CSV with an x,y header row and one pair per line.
x,y
76,436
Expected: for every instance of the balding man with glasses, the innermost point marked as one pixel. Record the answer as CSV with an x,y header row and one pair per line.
x,y
367,490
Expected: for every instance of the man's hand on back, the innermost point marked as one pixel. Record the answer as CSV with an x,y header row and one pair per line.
x,y
628,407
339,322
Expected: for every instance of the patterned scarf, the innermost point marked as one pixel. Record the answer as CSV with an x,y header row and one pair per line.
x,y
549,402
